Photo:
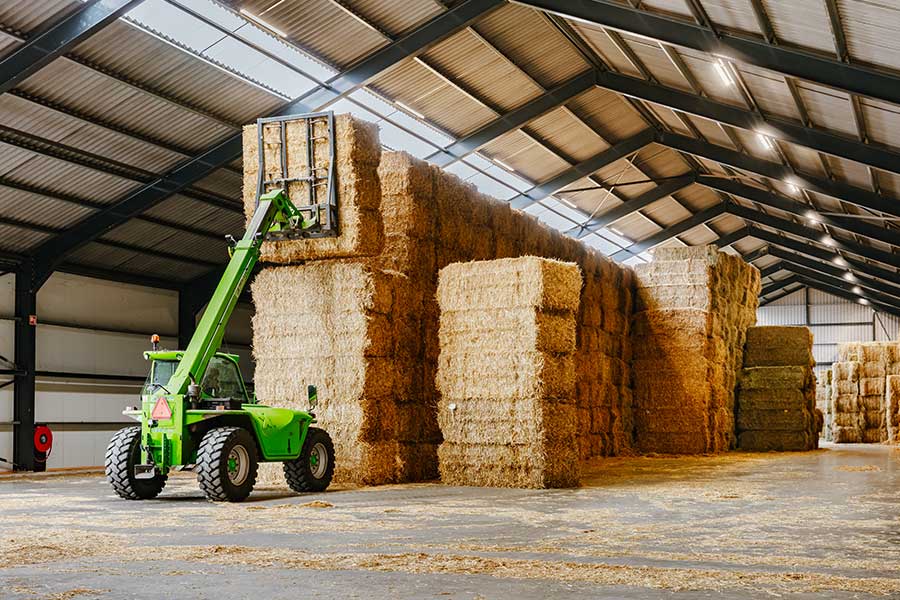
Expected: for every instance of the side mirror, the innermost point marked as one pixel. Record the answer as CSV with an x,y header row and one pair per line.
x,y
312,396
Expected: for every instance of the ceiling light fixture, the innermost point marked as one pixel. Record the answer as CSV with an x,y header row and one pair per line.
x,y
828,240
722,69
765,141
849,276
812,216
262,23
839,261
862,301
857,289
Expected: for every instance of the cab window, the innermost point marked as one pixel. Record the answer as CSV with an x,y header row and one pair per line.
x,y
160,373
222,379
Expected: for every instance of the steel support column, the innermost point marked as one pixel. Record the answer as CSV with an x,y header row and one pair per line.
x,y
25,359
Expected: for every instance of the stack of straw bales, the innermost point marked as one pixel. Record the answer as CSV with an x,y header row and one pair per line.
x,y
506,374
892,408
776,392
877,361
692,310
847,422
357,155
377,384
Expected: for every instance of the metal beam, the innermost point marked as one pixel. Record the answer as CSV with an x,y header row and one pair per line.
x,y
879,289
732,238
858,267
778,285
789,205
54,251
623,210
754,216
782,59
851,194
25,359
840,288
669,232
849,148
583,169
46,46
770,270
514,119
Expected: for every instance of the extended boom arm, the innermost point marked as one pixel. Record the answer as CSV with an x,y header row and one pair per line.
x,y
275,212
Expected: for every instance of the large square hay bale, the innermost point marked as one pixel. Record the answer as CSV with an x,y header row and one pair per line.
x,y
692,310
773,346
329,324
357,154
892,409
506,374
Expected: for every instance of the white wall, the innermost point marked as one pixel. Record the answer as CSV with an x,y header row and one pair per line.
x,y
92,326
831,319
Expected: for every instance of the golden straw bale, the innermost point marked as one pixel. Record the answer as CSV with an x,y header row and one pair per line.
x,y
778,346
357,154
506,373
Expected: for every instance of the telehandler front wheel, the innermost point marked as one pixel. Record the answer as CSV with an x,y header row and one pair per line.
x,y
313,469
122,454
226,464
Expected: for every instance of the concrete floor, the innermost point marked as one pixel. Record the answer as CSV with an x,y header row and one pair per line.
x,y
809,525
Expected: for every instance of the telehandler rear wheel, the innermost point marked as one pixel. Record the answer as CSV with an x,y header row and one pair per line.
x,y
122,454
313,469
227,464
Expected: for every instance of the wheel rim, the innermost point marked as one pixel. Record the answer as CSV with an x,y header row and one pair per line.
x,y
238,465
318,460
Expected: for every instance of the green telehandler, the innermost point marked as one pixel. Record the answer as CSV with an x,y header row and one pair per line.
x,y
195,410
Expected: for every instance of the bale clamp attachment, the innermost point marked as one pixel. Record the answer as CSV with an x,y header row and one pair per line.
x,y
318,215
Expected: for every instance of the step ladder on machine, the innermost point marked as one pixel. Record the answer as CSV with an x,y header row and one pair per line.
x,y
318,199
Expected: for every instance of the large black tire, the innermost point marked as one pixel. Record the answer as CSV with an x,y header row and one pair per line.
x,y
227,464
122,454
307,472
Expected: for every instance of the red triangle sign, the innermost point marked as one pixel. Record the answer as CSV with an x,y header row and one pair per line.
x,y
161,412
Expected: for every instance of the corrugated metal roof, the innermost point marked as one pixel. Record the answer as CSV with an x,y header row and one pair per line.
x,y
28,15
322,27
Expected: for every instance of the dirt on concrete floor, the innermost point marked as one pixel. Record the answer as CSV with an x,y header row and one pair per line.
x,y
792,524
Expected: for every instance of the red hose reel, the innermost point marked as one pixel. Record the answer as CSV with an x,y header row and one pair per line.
x,y
43,443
